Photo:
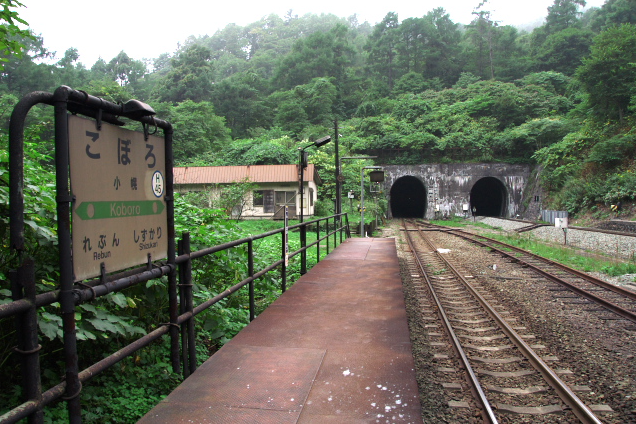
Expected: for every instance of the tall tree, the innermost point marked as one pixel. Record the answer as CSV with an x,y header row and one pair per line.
x,y
442,47
563,14
563,51
240,99
70,71
613,12
413,36
317,55
126,70
197,129
29,72
382,48
480,34
609,73
190,76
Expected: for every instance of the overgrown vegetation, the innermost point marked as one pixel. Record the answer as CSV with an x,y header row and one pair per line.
x,y
424,89
133,386
456,221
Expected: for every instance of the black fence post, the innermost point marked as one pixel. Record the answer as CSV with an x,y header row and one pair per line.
x,y
182,309
67,300
172,276
317,241
303,254
283,267
335,231
250,271
23,286
192,363
188,348
327,234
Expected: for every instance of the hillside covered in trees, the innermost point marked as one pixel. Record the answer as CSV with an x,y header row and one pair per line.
x,y
407,89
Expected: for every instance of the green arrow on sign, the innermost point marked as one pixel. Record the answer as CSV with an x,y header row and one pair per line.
x,y
118,209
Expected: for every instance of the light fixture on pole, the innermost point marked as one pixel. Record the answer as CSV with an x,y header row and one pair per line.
x,y
339,204
303,162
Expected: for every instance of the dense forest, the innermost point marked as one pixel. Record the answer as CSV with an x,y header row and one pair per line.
x,y
417,90
423,89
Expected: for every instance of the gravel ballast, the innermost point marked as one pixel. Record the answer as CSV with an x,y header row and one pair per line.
x,y
598,348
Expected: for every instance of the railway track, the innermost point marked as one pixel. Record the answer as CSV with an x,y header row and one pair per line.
x,y
616,299
507,371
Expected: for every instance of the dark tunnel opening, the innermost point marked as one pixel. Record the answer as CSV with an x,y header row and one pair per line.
x,y
408,198
488,197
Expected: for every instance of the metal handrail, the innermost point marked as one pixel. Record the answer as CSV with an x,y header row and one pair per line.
x,y
122,280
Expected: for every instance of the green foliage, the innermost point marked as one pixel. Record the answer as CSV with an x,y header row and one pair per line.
x,y
609,73
253,152
197,130
416,91
563,14
612,151
466,79
125,393
10,45
563,51
232,198
240,99
189,77
318,55
531,136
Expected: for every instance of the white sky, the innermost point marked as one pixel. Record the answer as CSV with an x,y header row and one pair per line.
x,y
145,29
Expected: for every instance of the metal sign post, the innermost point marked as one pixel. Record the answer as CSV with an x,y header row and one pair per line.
x,y
99,206
286,237
563,224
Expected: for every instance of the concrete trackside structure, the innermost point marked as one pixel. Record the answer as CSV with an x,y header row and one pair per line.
x,y
436,190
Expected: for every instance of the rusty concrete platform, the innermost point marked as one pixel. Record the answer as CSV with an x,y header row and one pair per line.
x,y
334,348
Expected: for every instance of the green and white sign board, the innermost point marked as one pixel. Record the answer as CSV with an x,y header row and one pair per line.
x,y
118,185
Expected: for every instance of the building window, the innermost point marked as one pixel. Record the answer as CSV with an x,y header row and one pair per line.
x,y
311,197
267,201
258,198
536,199
285,198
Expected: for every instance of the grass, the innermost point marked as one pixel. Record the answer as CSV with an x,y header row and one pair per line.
x,y
255,227
457,221
569,256
564,255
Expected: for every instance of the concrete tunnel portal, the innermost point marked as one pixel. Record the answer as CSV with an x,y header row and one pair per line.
x,y
408,198
489,197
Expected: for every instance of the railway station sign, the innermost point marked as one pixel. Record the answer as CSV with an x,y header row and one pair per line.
x,y
118,185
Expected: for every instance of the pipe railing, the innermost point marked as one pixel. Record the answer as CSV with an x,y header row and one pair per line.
x,y
90,290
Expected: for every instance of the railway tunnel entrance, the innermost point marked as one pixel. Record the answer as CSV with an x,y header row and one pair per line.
x,y
489,197
408,198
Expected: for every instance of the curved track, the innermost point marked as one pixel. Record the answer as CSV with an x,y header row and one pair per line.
x,y
503,372
614,298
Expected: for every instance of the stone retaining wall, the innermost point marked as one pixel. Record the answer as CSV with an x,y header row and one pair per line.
x,y
616,245
624,226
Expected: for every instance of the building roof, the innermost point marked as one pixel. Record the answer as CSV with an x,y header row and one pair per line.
x,y
231,174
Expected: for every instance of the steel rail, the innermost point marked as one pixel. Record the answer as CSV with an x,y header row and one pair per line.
x,y
599,300
489,416
577,406
617,289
